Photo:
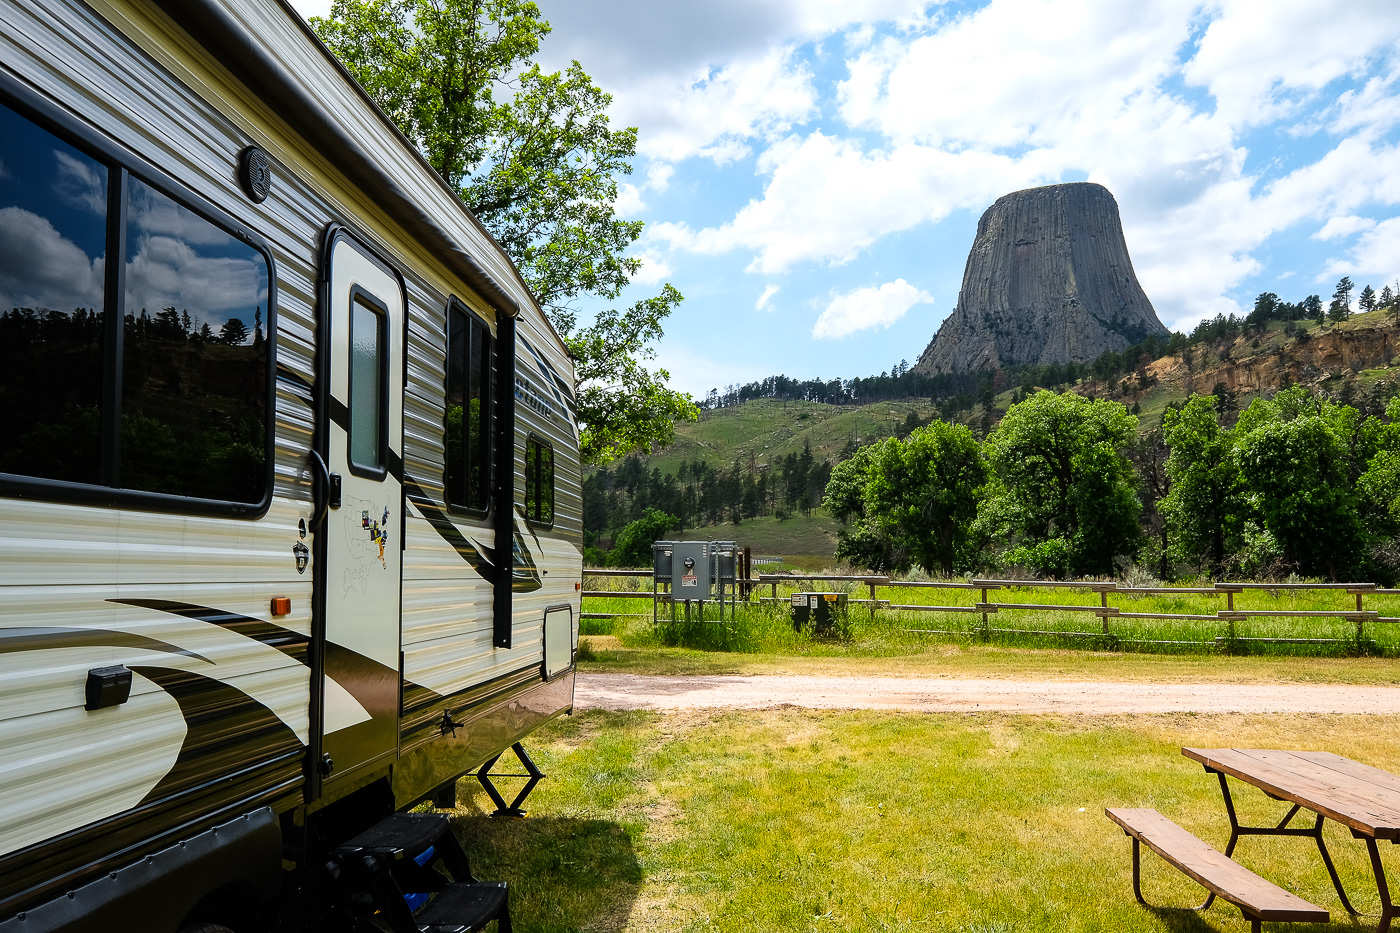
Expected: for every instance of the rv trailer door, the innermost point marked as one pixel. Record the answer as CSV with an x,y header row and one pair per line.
x,y
361,343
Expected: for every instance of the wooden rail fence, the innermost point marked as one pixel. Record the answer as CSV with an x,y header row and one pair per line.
x,y
1229,616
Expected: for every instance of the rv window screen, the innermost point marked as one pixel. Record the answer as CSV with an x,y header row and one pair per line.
x,y
368,365
539,482
467,431
149,374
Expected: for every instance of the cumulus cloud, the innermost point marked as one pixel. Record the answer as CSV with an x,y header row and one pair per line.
x,y
1342,227
1253,64
654,269
42,269
167,272
1376,255
628,202
763,299
80,182
869,307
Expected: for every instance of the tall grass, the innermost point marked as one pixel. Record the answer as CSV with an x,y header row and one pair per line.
x,y
765,627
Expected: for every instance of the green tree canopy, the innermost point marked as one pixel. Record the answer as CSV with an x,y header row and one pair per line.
x,y
862,541
534,157
1063,487
632,546
1205,508
922,493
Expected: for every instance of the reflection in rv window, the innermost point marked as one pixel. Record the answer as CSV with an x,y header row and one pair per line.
x,y
467,431
194,369
53,219
367,390
539,482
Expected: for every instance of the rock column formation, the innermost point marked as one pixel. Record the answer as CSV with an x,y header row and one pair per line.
x,y
1048,281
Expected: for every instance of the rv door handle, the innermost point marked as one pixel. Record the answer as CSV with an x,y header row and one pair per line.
x,y
320,490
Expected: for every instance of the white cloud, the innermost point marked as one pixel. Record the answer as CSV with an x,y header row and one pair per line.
x,y
1376,255
768,293
827,199
654,269
868,307
1252,61
1343,226
80,182
167,272
628,202
713,112
42,269
659,176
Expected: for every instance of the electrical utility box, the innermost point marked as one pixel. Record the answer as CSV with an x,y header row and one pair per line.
x,y
818,611
692,572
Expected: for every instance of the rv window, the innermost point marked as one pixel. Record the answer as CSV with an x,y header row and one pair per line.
x,y
135,369
368,364
194,355
539,482
467,431
53,245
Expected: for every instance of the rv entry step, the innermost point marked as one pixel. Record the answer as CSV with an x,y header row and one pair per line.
x,y
398,865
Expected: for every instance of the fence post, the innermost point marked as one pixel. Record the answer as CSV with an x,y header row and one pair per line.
x,y
1360,632
986,622
1230,626
871,583
1103,601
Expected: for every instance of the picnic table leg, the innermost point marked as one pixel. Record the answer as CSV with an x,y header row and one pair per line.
x,y
1387,908
1337,882
1137,883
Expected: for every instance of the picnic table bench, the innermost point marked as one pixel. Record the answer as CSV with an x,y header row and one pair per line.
x,y
1257,898
1364,799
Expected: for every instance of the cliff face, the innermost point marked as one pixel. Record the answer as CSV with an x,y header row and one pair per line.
x,y
1048,281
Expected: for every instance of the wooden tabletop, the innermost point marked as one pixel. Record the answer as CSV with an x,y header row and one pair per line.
x,y
1358,796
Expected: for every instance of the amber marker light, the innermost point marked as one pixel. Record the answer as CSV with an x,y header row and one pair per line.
x,y
281,605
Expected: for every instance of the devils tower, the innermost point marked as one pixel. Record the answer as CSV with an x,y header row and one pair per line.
x,y
1048,281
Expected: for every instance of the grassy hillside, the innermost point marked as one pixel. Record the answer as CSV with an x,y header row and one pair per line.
x,y
765,430
805,542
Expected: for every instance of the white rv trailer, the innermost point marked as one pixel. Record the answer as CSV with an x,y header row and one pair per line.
x,y
289,477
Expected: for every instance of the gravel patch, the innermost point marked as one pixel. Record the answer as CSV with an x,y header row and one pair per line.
x,y
939,694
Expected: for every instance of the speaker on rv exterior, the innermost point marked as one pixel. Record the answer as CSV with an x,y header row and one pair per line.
x,y
255,174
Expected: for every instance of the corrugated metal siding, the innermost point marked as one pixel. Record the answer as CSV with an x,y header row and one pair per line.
x,y
218,714
68,563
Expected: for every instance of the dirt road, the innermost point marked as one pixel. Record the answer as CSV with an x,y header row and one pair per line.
x,y
938,694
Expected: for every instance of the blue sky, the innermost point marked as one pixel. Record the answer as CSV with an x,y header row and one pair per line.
x,y
811,172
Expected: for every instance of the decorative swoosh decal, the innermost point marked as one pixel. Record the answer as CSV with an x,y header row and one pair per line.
x,y
525,577
227,731
43,638
444,526
292,644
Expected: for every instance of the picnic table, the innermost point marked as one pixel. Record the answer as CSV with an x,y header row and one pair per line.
x,y
1364,799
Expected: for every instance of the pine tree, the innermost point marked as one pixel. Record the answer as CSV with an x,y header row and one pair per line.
x,y
1367,300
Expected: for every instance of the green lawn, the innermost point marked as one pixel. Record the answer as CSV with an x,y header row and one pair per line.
x,y
786,820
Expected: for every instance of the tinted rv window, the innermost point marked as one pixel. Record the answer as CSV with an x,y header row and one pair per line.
x,y
128,370
467,432
194,356
53,243
539,482
368,404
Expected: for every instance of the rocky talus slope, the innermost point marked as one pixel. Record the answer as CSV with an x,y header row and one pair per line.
x,y
1048,280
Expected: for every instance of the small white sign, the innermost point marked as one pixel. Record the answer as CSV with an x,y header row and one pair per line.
x,y
799,600
689,580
